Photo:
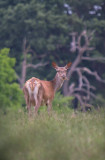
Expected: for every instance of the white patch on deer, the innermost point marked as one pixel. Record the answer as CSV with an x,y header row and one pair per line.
x,y
29,89
36,89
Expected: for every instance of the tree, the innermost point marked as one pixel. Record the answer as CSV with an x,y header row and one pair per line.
x,y
46,26
42,25
25,65
82,89
10,93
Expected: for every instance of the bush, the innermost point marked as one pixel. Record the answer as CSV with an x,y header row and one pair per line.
x,y
99,101
61,103
10,92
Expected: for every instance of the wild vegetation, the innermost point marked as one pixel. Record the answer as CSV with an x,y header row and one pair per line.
x,y
58,137
10,93
33,33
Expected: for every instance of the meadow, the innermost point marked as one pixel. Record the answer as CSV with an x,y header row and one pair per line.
x,y
61,136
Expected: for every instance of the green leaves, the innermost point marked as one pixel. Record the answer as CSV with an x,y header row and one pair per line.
x,y
7,73
10,93
62,103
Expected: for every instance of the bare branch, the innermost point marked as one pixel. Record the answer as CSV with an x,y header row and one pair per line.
x,y
80,77
90,35
90,87
25,50
83,34
83,82
71,88
42,56
87,84
85,91
95,74
93,59
73,43
80,100
83,104
36,65
24,47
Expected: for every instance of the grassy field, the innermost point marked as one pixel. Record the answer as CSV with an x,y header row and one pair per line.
x,y
58,137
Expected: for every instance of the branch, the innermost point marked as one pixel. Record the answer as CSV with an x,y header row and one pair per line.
x,y
95,74
85,47
80,77
71,89
36,65
93,59
83,82
73,44
83,34
80,100
42,56
83,104
87,84
85,91
90,87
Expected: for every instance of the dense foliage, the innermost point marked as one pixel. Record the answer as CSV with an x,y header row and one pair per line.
x,y
10,93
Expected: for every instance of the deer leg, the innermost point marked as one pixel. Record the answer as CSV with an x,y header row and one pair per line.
x,y
27,99
28,108
38,100
38,104
29,111
49,104
27,103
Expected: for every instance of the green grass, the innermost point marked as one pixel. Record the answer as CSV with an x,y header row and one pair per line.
x,y
58,137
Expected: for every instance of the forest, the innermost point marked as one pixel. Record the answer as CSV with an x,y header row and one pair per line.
x,y
37,32
33,34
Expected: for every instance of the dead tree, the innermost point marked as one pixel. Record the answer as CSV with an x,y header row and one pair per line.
x,y
83,91
26,49
73,44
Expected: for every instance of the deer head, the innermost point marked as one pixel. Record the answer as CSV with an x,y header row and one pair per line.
x,y
61,71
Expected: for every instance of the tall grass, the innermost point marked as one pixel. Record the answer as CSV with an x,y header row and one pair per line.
x,y
61,136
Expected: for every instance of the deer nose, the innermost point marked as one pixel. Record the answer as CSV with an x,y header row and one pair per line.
x,y
63,76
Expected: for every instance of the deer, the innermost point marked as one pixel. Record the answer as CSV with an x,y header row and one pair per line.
x,y
41,92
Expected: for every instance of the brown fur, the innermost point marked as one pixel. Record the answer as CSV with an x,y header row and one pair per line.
x,y
38,92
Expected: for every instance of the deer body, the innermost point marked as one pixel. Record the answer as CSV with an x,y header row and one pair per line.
x,y
38,92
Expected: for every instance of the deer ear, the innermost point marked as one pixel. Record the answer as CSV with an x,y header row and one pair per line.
x,y
54,65
68,65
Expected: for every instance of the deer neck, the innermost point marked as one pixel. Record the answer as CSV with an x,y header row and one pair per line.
x,y
57,82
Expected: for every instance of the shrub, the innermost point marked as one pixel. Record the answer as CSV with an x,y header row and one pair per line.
x,y
61,103
10,92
